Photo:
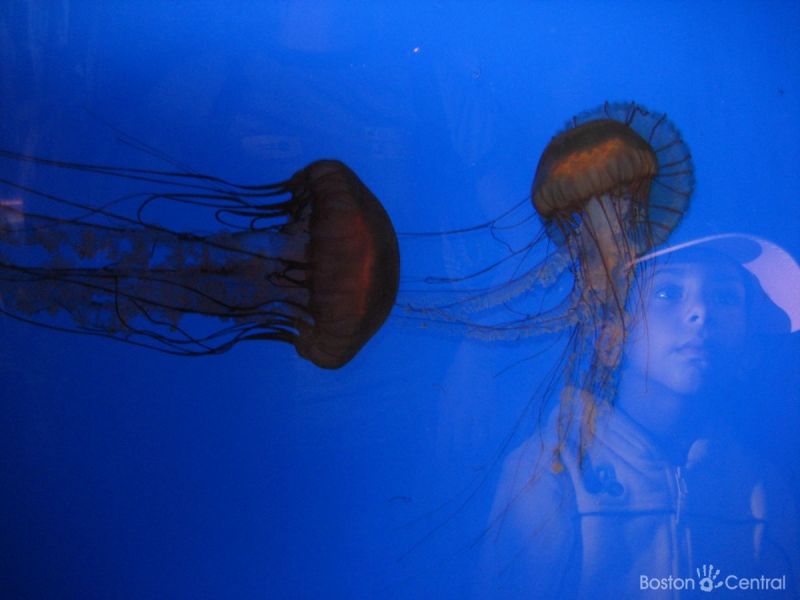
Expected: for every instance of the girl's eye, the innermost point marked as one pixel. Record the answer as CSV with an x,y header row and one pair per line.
x,y
668,292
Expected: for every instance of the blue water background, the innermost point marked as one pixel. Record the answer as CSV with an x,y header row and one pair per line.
x,y
129,474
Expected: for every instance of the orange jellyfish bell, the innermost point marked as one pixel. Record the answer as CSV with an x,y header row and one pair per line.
x,y
598,157
622,152
355,265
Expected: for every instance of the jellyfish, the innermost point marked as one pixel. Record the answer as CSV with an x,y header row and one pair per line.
x,y
312,261
611,186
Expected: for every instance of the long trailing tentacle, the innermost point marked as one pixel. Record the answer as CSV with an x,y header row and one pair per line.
x,y
564,316
104,272
193,189
468,302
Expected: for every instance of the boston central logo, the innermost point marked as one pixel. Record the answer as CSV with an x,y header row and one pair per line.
x,y
709,579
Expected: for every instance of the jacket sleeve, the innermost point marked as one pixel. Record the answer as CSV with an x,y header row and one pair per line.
x,y
531,546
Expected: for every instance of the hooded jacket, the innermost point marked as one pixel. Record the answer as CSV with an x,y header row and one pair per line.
x,y
621,520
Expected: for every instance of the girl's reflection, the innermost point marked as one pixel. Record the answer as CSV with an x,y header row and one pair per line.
x,y
663,489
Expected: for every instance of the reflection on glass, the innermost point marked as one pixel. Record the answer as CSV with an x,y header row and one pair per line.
x,y
664,488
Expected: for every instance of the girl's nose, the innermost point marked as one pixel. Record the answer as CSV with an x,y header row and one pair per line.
x,y
697,312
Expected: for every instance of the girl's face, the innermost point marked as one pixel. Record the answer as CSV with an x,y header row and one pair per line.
x,y
693,325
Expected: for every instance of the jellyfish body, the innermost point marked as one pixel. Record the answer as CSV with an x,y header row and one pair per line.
x,y
609,192
607,189
319,269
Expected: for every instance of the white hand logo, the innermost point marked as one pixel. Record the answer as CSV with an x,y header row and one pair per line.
x,y
708,578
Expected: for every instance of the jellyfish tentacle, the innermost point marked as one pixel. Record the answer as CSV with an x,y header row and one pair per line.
x,y
187,179
567,314
541,275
